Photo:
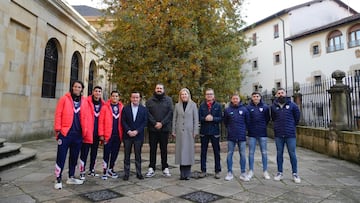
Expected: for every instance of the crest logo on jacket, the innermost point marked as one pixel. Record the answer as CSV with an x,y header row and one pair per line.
x,y
261,109
240,112
59,141
287,106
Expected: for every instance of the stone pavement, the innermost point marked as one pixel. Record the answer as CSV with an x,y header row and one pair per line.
x,y
324,179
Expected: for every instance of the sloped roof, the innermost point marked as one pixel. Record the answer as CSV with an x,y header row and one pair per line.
x,y
287,10
346,20
87,10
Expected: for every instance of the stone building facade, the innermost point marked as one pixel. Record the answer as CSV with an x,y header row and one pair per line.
x,y
44,46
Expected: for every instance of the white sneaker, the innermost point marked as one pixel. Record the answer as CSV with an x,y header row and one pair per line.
x,y
296,178
58,185
244,177
266,175
229,176
166,172
74,181
82,175
150,173
279,176
250,174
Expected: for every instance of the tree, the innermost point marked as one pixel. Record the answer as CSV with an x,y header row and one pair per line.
x,y
180,43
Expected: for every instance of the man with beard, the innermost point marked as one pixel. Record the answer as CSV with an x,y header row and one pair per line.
x,y
285,115
160,110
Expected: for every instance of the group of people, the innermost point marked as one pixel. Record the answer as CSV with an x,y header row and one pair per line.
x,y
82,123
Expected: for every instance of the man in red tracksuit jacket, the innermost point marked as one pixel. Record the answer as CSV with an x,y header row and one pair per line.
x,y
92,143
110,132
71,128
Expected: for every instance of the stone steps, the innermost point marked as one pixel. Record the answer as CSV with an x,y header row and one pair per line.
x,y
13,154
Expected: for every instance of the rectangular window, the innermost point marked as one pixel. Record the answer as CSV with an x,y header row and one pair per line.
x,y
316,50
278,85
317,80
254,42
357,75
254,65
277,58
276,31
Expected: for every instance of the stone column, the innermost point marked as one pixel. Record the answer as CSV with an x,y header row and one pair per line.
x,y
340,106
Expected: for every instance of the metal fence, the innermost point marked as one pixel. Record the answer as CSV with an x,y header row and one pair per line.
x,y
315,108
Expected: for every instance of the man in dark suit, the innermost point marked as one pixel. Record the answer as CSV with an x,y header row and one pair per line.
x,y
134,120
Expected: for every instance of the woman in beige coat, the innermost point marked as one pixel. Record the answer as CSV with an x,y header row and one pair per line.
x,y
185,128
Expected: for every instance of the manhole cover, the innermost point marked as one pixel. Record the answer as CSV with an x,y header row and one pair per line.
x,y
201,197
101,195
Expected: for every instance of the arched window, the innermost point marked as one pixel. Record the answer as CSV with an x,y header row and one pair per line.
x,y
335,41
91,77
74,74
50,70
354,36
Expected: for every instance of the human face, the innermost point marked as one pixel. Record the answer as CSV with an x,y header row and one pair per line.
x,y
235,100
115,98
97,93
184,96
77,89
135,98
159,89
280,93
209,96
255,98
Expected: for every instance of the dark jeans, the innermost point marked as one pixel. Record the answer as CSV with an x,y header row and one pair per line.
x,y
162,138
215,142
128,143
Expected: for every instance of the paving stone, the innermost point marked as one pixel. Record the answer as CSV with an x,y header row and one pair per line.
x,y
176,190
225,190
8,189
151,196
19,198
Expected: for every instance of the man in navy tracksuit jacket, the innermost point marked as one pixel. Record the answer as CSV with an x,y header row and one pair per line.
x,y
257,132
285,115
236,120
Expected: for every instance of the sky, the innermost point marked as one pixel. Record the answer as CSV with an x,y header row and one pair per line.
x,y
253,11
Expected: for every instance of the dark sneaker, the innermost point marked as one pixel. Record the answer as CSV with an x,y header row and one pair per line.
x,y
112,173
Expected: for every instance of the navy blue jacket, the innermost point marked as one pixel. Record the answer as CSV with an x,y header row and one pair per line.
x,y
236,120
285,119
210,127
129,124
259,118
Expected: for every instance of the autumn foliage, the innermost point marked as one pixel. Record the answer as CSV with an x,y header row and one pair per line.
x,y
180,43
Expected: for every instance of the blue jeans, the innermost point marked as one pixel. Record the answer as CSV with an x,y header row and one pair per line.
x,y
291,147
252,146
242,153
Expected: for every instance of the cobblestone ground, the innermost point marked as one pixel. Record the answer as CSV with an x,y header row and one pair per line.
x,y
323,179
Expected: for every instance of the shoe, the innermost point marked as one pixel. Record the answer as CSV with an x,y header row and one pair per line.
x,y
166,172
296,178
217,175
266,175
229,176
150,173
92,173
74,181
140,177
279,176
202,175
82,175
250,174
58,185
244,177
111,173
104,177
126,177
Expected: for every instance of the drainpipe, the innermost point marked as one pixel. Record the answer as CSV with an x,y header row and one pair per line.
x,y
283,36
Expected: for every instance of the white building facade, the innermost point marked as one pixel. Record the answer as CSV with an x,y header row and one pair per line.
x,y
274,60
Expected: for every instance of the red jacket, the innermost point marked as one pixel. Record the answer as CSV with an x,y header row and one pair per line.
x,y
91,120
64,115
106,121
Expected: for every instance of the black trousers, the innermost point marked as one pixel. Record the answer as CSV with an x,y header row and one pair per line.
x,y
162,138
128,143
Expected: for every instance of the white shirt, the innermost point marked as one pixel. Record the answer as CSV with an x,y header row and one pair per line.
x,y
134,110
